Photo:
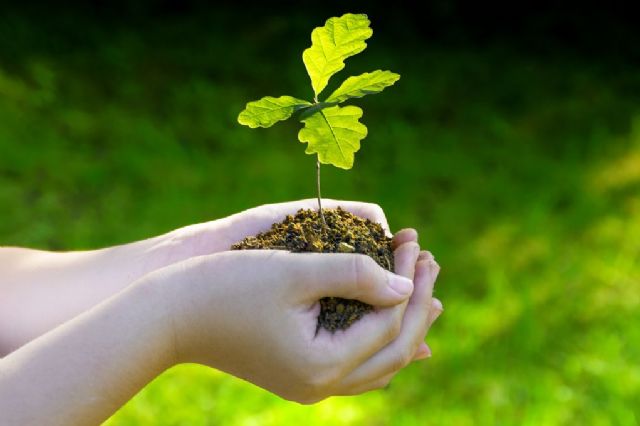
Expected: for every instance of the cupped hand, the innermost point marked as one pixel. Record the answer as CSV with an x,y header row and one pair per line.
x,y
254,313
259,219
426,259
244,312
421,312
218,235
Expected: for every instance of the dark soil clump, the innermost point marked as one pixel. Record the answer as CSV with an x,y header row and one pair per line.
x,y
344,233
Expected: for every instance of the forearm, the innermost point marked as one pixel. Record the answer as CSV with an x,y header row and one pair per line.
x,y
40,290
83,371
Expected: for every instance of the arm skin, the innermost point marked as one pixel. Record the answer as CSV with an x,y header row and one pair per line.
x,y
111,320
84,370
257,323
40,290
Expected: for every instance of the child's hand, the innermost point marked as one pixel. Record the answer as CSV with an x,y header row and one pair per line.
x,y
254,314
219,235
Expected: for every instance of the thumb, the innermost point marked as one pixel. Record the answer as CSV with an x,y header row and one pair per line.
x,y
349,276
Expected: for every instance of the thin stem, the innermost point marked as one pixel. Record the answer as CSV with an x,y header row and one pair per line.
x,y
319,196
324,222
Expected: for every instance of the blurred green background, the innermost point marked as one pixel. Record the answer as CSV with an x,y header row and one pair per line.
x,y
512,143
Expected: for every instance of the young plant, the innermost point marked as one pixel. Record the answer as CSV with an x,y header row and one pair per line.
x,y
331,131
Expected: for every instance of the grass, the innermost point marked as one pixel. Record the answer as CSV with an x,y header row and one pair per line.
x,y
520,171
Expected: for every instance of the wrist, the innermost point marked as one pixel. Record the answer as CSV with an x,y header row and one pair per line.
x,y
159,297
181,299
190,241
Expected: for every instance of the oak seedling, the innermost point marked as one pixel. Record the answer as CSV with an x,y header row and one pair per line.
x,y
331,131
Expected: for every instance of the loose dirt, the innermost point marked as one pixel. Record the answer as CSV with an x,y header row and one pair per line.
x,y
344,233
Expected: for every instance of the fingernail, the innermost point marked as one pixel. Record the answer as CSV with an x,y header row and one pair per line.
x,y
435,311
413,232
437,304
426,255
434,268
433,318
400,284
424,351
415,248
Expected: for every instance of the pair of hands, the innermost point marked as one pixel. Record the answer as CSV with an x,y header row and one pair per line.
x,y
82,332
254,313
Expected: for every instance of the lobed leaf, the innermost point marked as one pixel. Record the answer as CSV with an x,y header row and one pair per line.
x,y
269,110
362,85
331,44
334,133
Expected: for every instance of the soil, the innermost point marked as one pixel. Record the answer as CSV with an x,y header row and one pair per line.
x,y
344,233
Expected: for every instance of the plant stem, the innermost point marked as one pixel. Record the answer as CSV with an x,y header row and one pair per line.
x,y
324,222
319,196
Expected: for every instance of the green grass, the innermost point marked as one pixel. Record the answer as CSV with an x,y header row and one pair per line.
x,y
521,173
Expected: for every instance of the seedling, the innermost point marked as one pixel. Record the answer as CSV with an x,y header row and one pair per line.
x,y
331,131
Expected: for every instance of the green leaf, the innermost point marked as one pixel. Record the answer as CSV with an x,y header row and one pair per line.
x,y
334,133
362,85
269,110
339,39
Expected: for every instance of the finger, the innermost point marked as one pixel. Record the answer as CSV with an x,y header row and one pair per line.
x,y
313,276
377,334
376,384
404,236
423,352
260,219
369,211
401,351
404,264
425,255
372,332
434,313
405,257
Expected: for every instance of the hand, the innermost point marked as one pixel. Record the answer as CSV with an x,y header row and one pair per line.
x,y
259,219
259,322
435,307
251,313
421,312
218,235
256,322
112,269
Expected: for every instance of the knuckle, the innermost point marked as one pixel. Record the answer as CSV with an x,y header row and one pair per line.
x,y
393,330
361,265
399,361
376,209
403,358
312,385
321,382
309,400
301,396
197,267
387,380
384,382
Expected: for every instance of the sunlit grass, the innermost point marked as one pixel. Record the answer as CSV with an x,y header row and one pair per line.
x,y
526,187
